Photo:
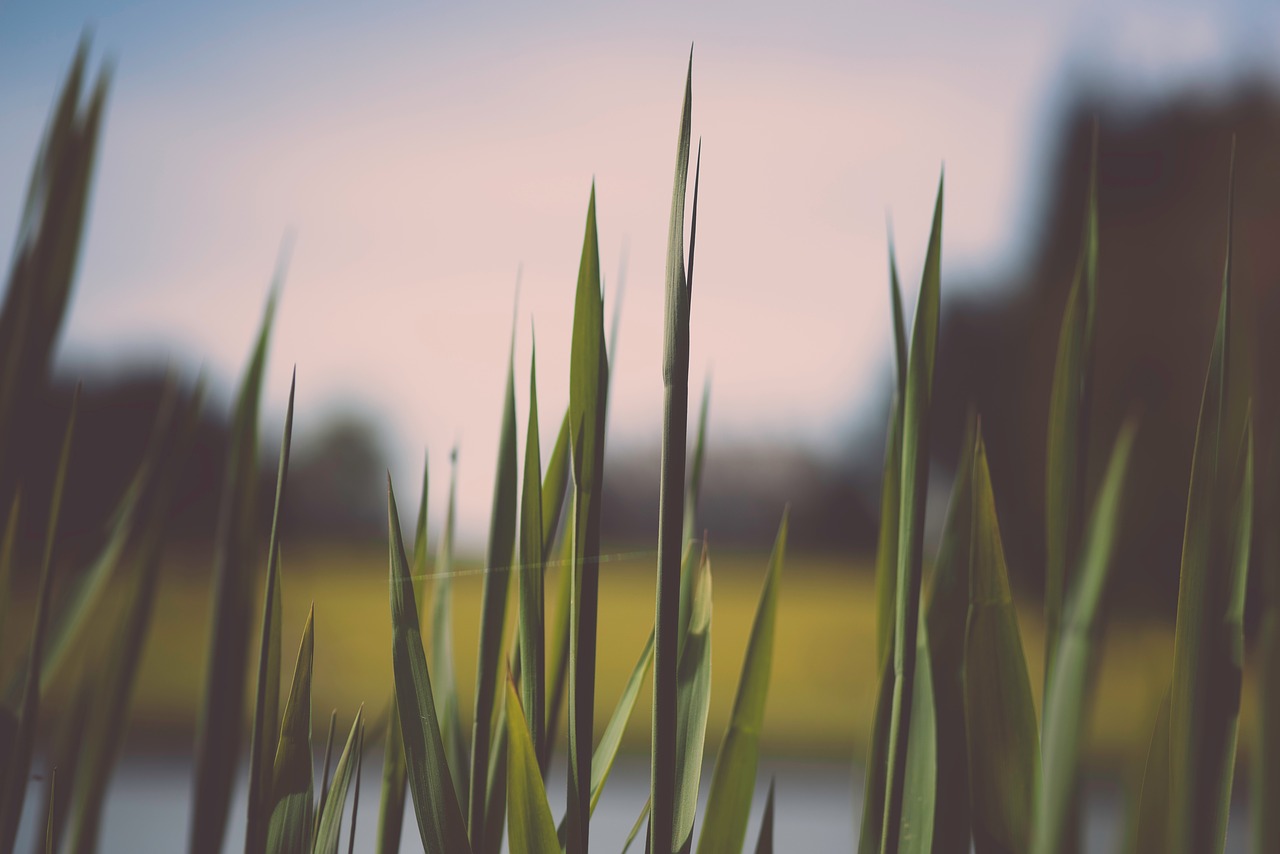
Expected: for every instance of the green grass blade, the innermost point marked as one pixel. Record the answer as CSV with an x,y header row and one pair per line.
x,y
724,828
324,773
914,487
495,815
533,674
329,836
355,795
289,830
497,578
887,539
555,486
668,657
1000,716
440,820
533,831
1152,836
1066,703
764,843
17,764
693,701
440,660
262,735
588,399
694,489
873,794
558,649
219,728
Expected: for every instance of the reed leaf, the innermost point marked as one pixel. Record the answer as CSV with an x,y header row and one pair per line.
x,y
693,701
890,483
533,831
291,825
554,488
764,843
6,561
440,659
1266,764
533,675
329,836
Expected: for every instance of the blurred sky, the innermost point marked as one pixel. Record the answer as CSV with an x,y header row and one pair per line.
x,y
422,153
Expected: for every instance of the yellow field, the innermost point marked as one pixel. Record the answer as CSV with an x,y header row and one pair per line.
x,y
823,687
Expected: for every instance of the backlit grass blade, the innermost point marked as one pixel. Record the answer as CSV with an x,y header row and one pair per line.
x,y
435,803
914,489
533,831
554,489
391,803
262,737
946,616
668,658
1066,455
890,484
533,675
1205,695
693,701
219,728
1067,701
497,578
1000,716
440,660
289,830
329,836
1152,836
724,827
17,762
588,397
764,843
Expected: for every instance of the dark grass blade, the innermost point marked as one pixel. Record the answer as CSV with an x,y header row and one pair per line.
x,y
324,773
890,484
6,562
693,701
355,795
588,397
873,795
17,765
914,486
440,820
554,488
291,825
219,729
262,736
1067,700
694,489
1000,715
497,578
675,376
1266,763
724,828
495,812
394,779
533,674
764,843
440,660
329,836
533,830
65,753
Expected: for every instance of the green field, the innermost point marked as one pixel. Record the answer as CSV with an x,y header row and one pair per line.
x,y
823,688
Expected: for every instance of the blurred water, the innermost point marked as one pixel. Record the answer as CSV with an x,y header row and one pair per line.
x,y
148,807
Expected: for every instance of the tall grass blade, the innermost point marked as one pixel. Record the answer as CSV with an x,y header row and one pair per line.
x,y
890,484
693,701
290,828
440,820
262,737
554,488
355,795
914,486
694,489
1152,836
329,836
324,773
1266,764
668,657
495,812
6,562
497,577
219,728
764,843
533,674
440,659
870,828
724,828
1000,715
533,831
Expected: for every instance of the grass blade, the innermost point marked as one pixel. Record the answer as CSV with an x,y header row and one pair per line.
x,y
873,793
324,773
219,729
1000,716
289,830
262,736
1266,764
693,701
533,675
890,485
1152,836
764,844
435,802
724,829
440,662
554,489
1066,702
668,658
355,796
329,836
914,486
533,830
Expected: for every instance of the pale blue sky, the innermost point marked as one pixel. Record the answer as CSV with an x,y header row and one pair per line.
x,y
422,153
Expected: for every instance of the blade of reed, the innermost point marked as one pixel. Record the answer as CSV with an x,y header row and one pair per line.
x,y
1204,702
916,833
440,660
914,486
64,755
724,827
324,774
1067,700
694,488
329,836
435,803
17,761
1266,764
891,481
220,723
693,701
554,488
764,843
675,379
1066,456
495,814
533,673
870,828
1000,715
355,795
290,828
6,561
1152,835
394,779
262,736
588,397
533,831
497,578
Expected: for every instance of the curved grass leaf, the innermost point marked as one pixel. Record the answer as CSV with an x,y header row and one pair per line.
x,y
329,836
533,675
1066,703
1000,716
533,831
693,701
724,828
435,802
289,830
